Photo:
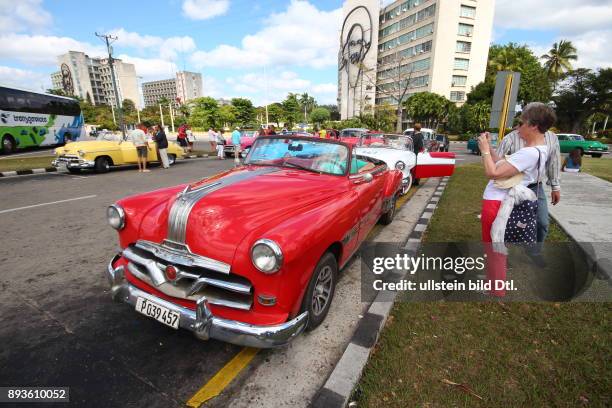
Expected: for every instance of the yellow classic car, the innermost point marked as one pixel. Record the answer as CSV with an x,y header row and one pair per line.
x,y
106,151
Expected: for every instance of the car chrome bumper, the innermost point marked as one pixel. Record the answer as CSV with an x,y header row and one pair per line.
x,y
596,152
81,164
201,321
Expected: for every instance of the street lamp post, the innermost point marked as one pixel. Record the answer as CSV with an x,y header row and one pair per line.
x,y
107,39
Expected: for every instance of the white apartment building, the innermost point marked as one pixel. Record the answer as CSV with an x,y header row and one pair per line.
x,y
186,86
436,46
90,78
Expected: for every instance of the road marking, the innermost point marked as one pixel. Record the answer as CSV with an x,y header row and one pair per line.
x,y
223,378
42,204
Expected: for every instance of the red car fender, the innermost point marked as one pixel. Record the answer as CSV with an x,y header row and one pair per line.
x,y
393,183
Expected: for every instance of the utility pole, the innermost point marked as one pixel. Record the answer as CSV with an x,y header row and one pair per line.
x,y
161,115
171,116
108,39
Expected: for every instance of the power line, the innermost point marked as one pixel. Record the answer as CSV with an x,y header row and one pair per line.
x,y
109,39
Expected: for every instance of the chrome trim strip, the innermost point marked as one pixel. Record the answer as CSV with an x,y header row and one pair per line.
x,y
204,324
185,201
180,254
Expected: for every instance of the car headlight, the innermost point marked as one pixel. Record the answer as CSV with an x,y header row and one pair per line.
x,y
400,165
267,256
81,153
116,216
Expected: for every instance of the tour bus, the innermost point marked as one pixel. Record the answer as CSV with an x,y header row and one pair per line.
x,y
37,119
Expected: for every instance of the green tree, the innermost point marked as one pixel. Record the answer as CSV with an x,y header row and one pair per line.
x,y
333,111
291,106
245,111
428,108
229,115
307,104
205,112
581,94
558,59
59,92
534,85
276,112
320,115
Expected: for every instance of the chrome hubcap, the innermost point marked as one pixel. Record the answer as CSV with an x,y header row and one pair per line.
x,y
322,290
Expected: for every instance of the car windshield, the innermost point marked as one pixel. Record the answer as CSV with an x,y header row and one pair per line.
x,y
352,132
311,155
440,138
399,142
108,137
577,137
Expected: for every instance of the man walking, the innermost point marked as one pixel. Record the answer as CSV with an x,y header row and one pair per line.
x,y
417,145
511,144
236,143
139,138
162,146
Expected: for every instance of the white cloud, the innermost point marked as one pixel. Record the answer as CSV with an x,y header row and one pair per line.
x,y
168,48
41,49
586,23
204,9
567,16
20,78
301,36
273,87
151,69
23,15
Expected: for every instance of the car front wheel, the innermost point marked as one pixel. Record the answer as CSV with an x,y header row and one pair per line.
x,y
387,218
596,155
320,291
407,185
102,165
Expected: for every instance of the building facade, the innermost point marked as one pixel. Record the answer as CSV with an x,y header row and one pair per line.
x,y
183,88
90,79
438,46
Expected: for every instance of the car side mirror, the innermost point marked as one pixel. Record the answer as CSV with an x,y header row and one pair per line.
x,y
361,178
368,177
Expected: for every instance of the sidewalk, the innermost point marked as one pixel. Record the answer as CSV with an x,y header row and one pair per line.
x,y
585,213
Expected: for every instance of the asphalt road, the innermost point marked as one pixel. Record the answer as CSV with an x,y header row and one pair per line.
x,y
58,324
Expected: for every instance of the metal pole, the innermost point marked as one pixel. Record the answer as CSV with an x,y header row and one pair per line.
x,y
171,116
107,39
161,115
605,122
113,112
593,131
138,113
505,107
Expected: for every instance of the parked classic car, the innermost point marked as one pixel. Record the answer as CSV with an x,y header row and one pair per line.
x,y
398,153
443,142
357,137
430,143
247,137
569,142
107,150
251,256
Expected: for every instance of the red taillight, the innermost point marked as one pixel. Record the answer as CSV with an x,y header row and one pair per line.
x,y
170,272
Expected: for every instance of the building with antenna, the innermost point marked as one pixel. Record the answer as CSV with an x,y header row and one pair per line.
x,y
436,46
90,79
185,87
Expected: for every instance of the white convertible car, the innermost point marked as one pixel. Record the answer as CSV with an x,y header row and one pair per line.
x,y
397,152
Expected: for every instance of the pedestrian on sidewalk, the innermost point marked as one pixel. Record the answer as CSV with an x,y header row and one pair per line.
x,y
162,146
181,138
139,138
190,137
500,201
511,144
220,143
572,162
212,139
417,146
236,143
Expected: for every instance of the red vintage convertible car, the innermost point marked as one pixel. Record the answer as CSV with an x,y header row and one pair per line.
x,y
251,256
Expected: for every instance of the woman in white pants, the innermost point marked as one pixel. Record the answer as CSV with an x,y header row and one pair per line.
x,y
220,145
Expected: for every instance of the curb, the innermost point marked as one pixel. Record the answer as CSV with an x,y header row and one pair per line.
x,y
54,170
27,172
337,390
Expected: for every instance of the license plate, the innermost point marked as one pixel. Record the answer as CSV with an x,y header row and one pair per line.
x,y
157,312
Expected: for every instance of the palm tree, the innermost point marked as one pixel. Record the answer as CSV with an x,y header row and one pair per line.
x,y
307,102
558,59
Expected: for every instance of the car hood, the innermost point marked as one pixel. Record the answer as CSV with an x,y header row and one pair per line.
x,y
87,146
237,203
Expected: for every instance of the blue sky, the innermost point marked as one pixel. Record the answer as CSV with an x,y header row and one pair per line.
x,y
232,42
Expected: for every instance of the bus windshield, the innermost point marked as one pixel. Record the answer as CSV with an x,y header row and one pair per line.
x,y
37,119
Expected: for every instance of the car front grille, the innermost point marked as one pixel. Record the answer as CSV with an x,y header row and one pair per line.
x,y
68,158
194,280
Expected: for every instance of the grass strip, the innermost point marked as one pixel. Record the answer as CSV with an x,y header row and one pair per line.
x,y
487,354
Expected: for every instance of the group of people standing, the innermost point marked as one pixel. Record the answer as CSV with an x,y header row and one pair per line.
x,y
139,138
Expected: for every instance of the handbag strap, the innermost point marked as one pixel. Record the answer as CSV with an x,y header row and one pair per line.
x,y
538,179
